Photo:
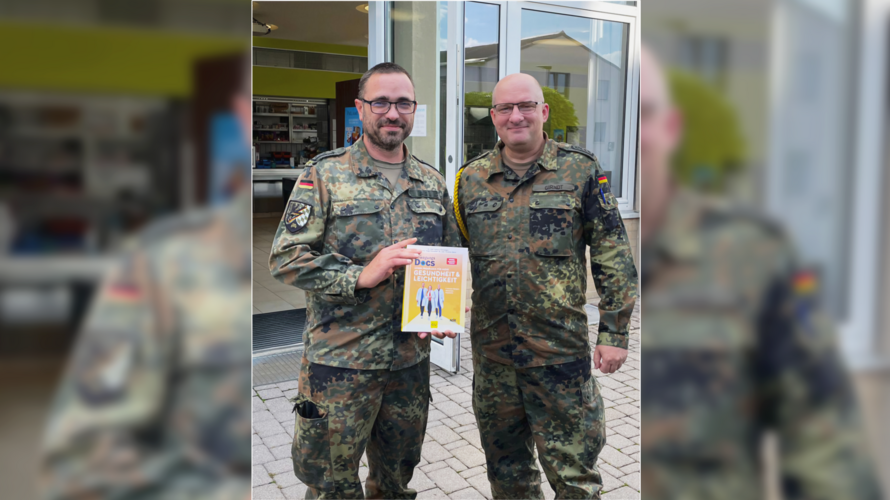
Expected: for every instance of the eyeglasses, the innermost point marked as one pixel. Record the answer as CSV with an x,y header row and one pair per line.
x,y
382,107
506,108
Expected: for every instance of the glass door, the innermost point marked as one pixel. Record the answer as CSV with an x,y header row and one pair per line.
x,y
586,62
583,54
426,38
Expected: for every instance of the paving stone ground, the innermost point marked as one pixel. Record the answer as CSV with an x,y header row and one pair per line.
x,y
453,464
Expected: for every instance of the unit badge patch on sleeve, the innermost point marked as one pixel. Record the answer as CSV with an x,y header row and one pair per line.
x,y
297,216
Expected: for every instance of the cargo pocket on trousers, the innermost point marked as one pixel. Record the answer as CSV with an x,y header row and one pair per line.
x,y
311,449
587,392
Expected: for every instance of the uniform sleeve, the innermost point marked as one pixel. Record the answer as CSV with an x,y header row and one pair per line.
x,y
98,442
806,396
297,257
611,262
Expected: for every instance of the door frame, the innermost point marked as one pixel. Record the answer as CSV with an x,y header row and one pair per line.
x,y
510,32
601,12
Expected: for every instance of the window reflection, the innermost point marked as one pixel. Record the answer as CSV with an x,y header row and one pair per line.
x,y
418,31
481,48
568,55
442,40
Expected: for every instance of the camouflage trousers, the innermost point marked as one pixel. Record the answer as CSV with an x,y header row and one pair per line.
x,y
557,409
340,412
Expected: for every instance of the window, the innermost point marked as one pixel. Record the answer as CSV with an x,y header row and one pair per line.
x,y
706,57
591,56
481,59
599,132
559,82
602,90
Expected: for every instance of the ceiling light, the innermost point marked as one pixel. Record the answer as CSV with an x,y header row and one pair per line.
x,y
363,8
262,29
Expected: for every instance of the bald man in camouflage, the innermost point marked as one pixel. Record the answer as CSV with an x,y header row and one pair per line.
x,y
529,209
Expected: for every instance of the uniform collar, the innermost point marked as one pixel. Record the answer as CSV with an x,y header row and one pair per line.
x,y
363,163
547,160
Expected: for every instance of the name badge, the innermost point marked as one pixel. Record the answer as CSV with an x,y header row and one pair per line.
x,y
424,193
552,187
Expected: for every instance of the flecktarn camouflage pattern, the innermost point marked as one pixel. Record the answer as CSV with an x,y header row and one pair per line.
x,y
337,412
365,383
528,239
153,404
355,213
565,415
736,347
532,383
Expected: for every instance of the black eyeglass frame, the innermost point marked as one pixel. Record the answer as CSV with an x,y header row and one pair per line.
x,y
389,106
513,105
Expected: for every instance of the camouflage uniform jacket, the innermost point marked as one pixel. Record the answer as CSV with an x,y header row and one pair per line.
x,y
736,346
154,402
353,213
527,247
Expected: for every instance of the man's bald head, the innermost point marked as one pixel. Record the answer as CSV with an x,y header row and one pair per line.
x,y
517,81
522,132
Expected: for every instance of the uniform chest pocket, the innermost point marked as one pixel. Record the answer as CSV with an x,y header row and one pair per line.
x,y
484,221
428,214
358,228
550,224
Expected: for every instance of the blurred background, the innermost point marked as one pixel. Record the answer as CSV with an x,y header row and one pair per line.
x,y
784,106
109,112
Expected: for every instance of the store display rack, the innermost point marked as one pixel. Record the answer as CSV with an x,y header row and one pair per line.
x,y
302,118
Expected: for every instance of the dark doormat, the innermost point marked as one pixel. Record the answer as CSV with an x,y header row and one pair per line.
x,y
277,330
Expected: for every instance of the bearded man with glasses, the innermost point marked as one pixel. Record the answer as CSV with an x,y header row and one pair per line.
x,y
527,211
363,382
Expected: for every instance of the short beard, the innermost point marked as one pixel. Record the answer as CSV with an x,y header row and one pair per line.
x,y
387,142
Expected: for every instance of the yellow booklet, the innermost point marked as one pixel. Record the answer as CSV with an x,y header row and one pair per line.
x,y
435,290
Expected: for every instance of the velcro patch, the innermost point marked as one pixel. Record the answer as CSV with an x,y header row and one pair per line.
x,y
552,187
424,193
296,216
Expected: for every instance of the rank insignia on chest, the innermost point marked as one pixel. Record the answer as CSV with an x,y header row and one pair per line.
x,y
297,216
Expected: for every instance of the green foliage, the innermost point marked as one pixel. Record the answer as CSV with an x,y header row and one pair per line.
x,y
562,112
713,148
478,99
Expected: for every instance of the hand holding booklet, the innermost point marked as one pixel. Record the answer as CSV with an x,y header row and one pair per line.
x,y
435,290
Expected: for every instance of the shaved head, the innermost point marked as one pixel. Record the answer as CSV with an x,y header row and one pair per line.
x,y
522,134
518,81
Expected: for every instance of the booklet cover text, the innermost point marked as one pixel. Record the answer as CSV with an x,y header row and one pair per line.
x,y
435,290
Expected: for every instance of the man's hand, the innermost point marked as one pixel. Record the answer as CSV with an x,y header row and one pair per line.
x,y
441,334
608,359
386,262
